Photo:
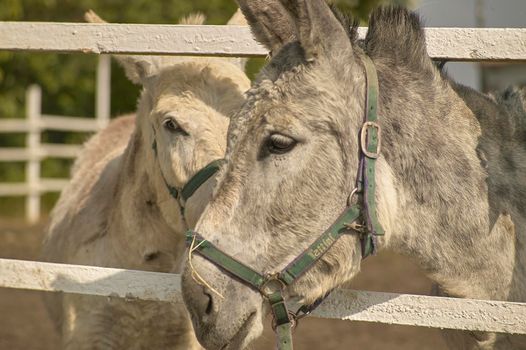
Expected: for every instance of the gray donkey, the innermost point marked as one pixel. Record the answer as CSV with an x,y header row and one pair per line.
x,y
451,177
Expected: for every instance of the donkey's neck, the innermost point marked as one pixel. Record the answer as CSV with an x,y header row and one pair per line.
x,y
140,230
443,220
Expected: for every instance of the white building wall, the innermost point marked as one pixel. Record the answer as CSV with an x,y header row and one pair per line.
x,y
462,13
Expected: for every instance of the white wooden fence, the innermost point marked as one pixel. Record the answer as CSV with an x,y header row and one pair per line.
x,y
391,308
34,124
461,44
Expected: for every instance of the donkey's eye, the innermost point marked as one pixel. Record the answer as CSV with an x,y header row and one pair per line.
x,y
279,144
171,125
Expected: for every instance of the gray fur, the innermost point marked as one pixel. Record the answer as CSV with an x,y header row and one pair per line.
x,y
451,177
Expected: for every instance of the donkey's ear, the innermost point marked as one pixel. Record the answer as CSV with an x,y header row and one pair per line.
x,y
136,67
319,31
270,22
237,19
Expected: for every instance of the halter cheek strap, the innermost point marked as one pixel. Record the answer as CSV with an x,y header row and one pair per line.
x,y
370,147
200,178
361,218
195,181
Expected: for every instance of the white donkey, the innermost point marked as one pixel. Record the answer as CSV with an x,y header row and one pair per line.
x,y
119,209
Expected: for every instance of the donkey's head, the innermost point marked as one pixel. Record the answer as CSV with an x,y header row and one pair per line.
x,y
292,162
182,118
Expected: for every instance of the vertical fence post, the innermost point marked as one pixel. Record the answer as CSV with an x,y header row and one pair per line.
x,y
33,112
102,101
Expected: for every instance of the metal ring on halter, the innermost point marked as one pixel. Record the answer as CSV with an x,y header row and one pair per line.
x,y
349,199
272,285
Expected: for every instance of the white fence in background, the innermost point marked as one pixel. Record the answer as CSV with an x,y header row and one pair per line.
x,y
33,125
460,44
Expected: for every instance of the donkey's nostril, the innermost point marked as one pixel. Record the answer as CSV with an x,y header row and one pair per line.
x,y
204,302
209,307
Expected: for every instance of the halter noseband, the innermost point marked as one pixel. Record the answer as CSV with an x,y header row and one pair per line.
x,y
361,218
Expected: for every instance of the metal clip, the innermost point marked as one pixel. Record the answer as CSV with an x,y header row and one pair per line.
x,y
351,196
359,228
355,227
293,320
303,311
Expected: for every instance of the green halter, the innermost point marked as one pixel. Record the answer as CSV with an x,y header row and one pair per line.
x,y
200,178
359,218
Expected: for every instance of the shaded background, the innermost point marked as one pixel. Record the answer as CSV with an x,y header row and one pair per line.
x,y
68,83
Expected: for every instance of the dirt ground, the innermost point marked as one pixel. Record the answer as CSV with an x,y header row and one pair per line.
x,y
24,324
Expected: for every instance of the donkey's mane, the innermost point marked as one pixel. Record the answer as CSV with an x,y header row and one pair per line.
x,y
514,100
396,34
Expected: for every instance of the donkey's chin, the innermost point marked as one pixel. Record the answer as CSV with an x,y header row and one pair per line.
x,y
250,329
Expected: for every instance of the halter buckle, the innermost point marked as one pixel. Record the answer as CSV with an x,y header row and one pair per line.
x,y
364,142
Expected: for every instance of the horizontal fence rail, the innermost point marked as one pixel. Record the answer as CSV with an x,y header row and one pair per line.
x,y
403,309
52,122
24,189
109,282
13,125
457,44
17,154
62,123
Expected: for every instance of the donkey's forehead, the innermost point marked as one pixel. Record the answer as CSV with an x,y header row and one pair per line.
x,y
198,71
186,107
168,102
294,86
277,106
289,75
291,92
